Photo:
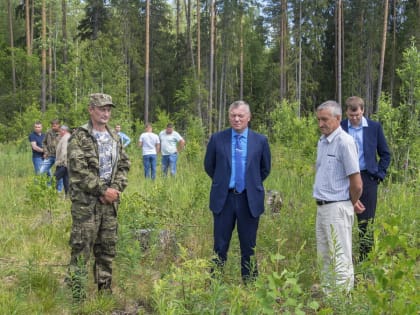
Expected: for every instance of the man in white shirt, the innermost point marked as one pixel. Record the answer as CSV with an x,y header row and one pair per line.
x,y
171,143
337,189
150,144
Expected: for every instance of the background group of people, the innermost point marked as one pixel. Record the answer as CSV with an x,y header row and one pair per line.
x,y
169,143
352,159
50,148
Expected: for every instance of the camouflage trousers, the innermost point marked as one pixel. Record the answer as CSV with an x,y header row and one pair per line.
x,y
94,229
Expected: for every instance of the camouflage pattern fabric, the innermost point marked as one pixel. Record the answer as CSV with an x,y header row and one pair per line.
x,y
94,224
49,144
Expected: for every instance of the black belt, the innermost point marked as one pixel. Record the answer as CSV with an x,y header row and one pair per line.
x,y
326,202
234,191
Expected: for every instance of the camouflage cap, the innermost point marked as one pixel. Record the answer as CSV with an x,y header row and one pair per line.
x,y
100,100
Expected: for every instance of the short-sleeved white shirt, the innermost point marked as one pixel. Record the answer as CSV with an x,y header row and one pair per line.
x,y
168,142
149,141
337,159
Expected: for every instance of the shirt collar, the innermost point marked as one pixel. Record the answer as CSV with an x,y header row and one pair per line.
x,y
363,124
243,134
331,136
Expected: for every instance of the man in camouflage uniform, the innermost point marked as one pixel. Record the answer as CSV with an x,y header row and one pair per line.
x,y
98,167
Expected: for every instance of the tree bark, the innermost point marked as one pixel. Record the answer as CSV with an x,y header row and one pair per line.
x,y
44,57
146,66
338,45
12,46
28,28
187,4
64,29
241,53
199,59
299,89
211,72
283,48
381,65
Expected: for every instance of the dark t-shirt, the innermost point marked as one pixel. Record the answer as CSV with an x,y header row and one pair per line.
x,y
34,137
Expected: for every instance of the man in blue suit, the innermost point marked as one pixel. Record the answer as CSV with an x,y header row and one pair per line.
x,y
371,143
237,160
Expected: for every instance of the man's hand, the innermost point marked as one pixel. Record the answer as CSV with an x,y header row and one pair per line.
x,y
111,195
359,207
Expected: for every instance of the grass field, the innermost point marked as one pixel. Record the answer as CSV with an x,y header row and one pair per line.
x,y
170,274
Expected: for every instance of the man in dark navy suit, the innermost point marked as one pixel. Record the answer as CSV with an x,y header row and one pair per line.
x,y
237,160
371,143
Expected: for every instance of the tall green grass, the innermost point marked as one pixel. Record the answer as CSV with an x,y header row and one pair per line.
x,y
36,222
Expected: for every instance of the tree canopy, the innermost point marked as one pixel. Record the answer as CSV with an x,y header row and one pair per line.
x,y
263,51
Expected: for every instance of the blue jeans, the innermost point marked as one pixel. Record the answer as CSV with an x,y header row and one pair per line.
x,y
149,164
46,168
37,161
169,161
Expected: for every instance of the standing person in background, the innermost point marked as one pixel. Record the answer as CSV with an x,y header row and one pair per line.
x,y
371,142
124,138
150,144
237,160
98,168
337,189
61,172
171,143
36,138
49,146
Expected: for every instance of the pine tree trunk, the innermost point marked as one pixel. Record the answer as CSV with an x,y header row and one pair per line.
x,y
28,28
299,85
381,65
189,34
64,29
199,60
44,57
146,66
241,57
394,51
338,45
283,47
12,46
211,72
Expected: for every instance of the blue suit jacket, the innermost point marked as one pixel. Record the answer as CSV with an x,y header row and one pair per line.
x,y
218,165
374,143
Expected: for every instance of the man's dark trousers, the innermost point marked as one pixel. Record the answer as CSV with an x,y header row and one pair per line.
x,y
236,210
365,219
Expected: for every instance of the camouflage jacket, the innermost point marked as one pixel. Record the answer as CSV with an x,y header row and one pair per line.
x,y
49,144
83,166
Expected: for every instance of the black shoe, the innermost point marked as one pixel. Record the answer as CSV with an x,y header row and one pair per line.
x,y
105,287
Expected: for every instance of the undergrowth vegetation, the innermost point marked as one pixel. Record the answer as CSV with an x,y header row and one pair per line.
x,y
165,241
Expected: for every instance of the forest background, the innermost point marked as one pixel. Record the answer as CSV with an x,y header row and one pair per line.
x,y
185,62
190,59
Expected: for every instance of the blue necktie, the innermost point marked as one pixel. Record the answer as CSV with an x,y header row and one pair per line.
x,y
239,167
